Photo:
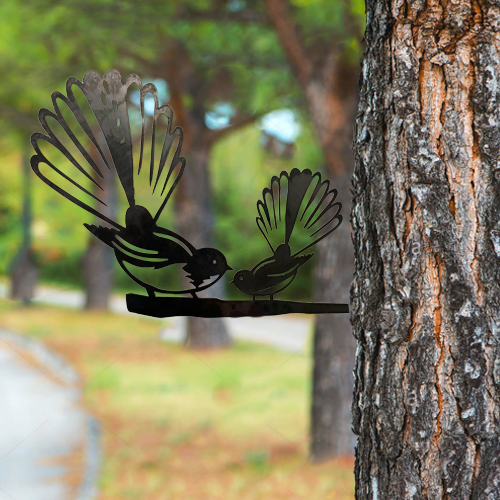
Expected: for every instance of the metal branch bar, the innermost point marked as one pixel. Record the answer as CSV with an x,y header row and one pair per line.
x,y
166,307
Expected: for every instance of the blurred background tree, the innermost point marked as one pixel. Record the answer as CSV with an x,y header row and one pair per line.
x,y
322,46
223,66
321,43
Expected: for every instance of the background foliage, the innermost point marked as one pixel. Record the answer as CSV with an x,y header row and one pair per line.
x,y
43,42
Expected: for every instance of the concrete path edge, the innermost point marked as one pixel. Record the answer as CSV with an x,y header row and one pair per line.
x,y
55,364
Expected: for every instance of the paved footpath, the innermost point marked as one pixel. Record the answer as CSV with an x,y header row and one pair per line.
x,y
43,426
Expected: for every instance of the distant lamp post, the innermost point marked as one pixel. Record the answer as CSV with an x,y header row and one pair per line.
x,y
23,270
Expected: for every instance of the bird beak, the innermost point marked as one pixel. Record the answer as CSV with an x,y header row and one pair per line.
x,y
229,268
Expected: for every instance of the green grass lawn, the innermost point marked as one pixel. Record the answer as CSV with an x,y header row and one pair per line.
x,y
179,424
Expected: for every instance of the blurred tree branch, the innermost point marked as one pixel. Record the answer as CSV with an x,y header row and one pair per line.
x,y
244,16
288,34
23,121
238,123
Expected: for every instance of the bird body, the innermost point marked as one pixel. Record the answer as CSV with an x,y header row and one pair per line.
x,y
294,199
141,242
150,246
272,275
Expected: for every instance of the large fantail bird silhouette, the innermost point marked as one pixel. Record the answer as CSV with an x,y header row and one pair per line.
x,y
104,111
300,201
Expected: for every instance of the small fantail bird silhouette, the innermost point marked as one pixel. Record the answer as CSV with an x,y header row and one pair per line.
x,y
298,204
141,243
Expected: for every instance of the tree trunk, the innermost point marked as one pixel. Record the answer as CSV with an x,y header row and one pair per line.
x,y
194,209
330,93
334,344
23,278
98,275
426,220
195,220
98,261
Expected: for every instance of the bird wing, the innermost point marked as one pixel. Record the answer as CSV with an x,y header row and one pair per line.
x,y
274,267
141,256
266,282
263,263
166,234
89,140
144,257
274,286
196,272
297,262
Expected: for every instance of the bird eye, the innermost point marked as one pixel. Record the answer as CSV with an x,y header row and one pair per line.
x,y
241,278
214,261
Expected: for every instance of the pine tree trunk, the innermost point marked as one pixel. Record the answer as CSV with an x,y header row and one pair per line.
x,y
426,221
334,344
195,220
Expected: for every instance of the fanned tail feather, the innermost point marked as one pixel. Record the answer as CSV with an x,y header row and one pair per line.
x,y
298,209
88,138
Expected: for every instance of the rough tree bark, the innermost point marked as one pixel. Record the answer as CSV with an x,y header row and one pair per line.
x,y
329,86
426,221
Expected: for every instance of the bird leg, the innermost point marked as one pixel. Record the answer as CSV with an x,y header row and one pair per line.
x,y
253,297
151,292
271,298
194,295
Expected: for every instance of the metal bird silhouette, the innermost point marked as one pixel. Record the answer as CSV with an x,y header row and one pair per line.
x,y
89,139
295,202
